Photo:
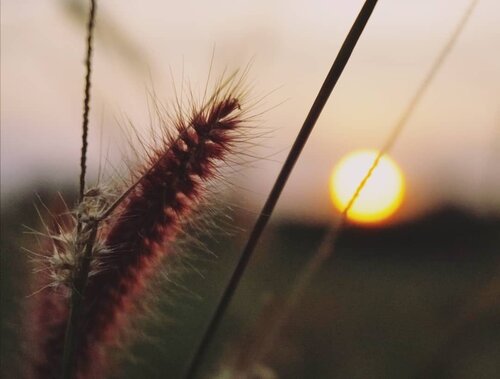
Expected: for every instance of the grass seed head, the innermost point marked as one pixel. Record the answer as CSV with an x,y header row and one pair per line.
x,y
142,230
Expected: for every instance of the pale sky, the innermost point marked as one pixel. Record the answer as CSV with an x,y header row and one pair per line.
x,y
449,151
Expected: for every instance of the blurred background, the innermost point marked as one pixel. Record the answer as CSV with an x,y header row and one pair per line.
x,y
414,296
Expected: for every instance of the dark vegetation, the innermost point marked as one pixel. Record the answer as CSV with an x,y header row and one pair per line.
x,y
416,300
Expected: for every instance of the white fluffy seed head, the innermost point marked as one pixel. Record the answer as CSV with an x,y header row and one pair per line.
x,y
66,240
95,201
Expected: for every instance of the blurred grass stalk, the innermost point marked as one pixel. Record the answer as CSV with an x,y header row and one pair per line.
x,y
279,319
265,214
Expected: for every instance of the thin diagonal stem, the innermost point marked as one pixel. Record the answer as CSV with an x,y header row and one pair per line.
x,y
86,99
436,66
318,105
328,244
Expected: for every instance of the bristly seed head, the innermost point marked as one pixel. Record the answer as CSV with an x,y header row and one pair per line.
x,y
138,235
56,266
95,201
66,241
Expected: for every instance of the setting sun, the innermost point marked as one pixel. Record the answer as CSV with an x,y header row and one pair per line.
x,y
381,196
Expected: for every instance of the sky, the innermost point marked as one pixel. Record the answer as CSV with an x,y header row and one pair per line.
x,y
449,149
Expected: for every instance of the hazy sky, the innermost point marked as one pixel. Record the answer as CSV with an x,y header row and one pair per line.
x,y
449,151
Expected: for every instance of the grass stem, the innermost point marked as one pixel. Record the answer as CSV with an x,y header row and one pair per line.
x,y
89,230
329,241
265,214
86,99
77,294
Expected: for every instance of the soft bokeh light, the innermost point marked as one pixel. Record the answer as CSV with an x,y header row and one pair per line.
x,y
382,193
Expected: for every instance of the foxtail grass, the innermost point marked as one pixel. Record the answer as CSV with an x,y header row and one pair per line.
x,y
116,243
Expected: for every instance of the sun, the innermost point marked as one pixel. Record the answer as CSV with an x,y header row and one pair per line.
x,y
382,194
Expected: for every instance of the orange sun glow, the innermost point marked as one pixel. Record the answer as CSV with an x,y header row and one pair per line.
x,y
382,194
